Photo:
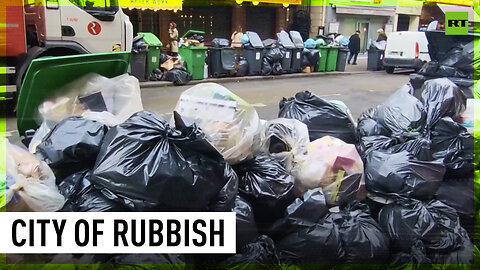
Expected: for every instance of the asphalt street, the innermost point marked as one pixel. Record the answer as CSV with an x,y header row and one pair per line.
x,y
358,91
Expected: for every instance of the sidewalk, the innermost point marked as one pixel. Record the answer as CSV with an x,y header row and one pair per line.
x,y
361,65
349,70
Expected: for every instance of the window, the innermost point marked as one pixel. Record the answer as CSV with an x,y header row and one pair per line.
x,y
103,10
97,5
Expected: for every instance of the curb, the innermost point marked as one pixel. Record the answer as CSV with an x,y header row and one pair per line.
x,y
253,78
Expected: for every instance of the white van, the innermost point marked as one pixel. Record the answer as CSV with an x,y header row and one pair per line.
x,y
406,49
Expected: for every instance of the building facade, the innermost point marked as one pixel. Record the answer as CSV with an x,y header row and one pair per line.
x,y
216,18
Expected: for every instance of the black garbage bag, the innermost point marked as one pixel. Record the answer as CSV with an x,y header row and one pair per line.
x,y
417,255
179,76
399,174
82,196
242,67
401,112
227,195
274,55
452,143
277,68
246,227
323,118
461,57
156,75
462,255
306,235
315,235
265,183
152,166
260,254
419,147
310,57
220,42
459,194
267,68
361,236
434,223
271,62
163,57
374,143
430,69
441,98
368,125
72,145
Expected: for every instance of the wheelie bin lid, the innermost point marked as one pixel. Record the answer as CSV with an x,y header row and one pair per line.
x,y
255,40
297,39
285,40
150,39
193,32
45,76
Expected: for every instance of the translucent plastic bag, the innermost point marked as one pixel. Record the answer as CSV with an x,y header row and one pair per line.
x,y
332,165
230,122
285,140
30,183
109,101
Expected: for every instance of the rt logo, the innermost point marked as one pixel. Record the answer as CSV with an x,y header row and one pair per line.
x,y
456,23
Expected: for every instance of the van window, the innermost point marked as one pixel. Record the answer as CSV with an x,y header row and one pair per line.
x,y
96,5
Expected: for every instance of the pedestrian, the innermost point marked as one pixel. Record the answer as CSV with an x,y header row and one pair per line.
x,y
354,47
173,35
236,40
381,35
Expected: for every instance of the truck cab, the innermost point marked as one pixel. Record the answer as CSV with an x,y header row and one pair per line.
x,y
38,28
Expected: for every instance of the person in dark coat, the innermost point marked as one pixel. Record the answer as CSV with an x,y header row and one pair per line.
x,y
354,47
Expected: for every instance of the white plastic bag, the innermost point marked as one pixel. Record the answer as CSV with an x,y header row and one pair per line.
x,y
328,160
230,122
121,98
30,183
286,140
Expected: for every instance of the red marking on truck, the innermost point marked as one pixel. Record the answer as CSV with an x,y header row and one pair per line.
x,y
94,28
72,19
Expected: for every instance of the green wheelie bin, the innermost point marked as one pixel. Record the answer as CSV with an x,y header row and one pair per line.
x,y
332,59
194,57
154,51
322,63
46,76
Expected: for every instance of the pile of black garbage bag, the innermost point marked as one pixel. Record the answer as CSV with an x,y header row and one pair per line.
x,y
419,160
418,167
452,57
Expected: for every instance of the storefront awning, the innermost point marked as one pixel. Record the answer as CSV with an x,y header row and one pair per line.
x,y
152,4
472,16
283,2
371,11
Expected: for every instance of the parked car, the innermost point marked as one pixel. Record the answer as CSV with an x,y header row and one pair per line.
x,y
406,49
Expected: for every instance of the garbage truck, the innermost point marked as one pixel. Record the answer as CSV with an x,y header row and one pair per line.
x,y
39,28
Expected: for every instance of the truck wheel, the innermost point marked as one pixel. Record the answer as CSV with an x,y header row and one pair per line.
x,y
34,53
389,70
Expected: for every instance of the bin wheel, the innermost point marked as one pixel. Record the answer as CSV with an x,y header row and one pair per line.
x,y
389,70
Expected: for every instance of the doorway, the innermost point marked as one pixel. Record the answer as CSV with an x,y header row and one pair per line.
x,y
363,26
